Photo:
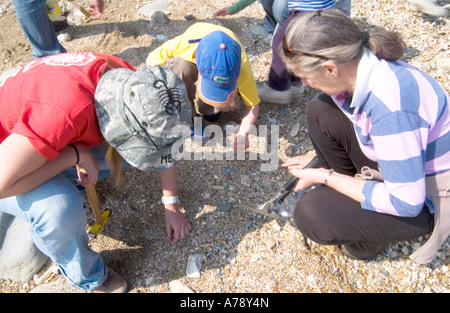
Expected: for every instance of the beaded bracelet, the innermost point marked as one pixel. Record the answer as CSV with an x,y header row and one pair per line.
x,y
325,182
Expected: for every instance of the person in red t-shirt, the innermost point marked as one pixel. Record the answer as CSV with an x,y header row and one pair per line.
x,y
54,113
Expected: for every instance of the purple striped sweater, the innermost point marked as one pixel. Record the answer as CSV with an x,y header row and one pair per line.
x,y
402,121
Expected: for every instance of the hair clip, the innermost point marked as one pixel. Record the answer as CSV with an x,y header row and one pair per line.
x,y
365,37
318,13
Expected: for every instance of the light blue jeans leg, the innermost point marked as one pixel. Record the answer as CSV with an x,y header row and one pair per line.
x,y
344,6
276,12
269,21
37,27
57,216
280,10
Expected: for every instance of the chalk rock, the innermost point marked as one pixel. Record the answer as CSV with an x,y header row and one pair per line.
x,y
194,265
150,8
19,257
177,286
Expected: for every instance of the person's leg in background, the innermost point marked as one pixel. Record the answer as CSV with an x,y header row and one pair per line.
x,y
280,11
344,6
37,27
279,89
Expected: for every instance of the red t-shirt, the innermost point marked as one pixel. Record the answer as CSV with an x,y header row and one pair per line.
x,y
51,101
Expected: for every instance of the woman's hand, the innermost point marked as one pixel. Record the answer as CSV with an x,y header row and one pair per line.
x,y
300,160
307,177
87,167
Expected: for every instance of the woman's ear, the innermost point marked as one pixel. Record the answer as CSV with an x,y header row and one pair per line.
x,y
330,68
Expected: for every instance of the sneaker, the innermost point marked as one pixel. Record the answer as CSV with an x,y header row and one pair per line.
x,y
362,250
212,117
60,25
199,137
268,94
297,90
113,284
429,7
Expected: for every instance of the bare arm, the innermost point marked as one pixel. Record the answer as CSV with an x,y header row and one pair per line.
x,y
251,114
177,226
23,168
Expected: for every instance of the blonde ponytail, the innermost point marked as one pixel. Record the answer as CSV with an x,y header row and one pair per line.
x,y
114,161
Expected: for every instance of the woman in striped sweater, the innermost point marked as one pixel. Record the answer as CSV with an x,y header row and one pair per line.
x,y
378,114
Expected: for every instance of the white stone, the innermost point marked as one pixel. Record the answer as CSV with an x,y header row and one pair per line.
x,y
194,265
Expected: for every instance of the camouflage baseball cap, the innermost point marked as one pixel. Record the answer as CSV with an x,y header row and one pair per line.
x,y
137,112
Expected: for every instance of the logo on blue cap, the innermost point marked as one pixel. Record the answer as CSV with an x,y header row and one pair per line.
x,y
221,79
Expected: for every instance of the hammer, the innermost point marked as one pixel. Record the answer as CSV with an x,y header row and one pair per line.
x,y
80,8
100,218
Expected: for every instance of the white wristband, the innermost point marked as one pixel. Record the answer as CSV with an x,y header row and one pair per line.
x,y
169,200
325,182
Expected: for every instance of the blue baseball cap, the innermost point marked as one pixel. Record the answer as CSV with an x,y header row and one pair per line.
x,y
218,58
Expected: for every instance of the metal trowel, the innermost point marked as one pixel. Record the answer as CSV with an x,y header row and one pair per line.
x,y
284,202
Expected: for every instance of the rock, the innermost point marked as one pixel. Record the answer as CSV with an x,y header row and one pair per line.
x,y
227,170
3,8
270,243
246,181
177,286
64,37
75,18
259,30
295,129
162,37
194,265
19,257
206,195
59,285
224,207
159,18
152,7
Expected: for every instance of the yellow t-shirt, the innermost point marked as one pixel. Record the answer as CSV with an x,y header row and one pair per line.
x,y
180,47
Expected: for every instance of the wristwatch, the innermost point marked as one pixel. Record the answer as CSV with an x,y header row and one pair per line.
x,y
169,200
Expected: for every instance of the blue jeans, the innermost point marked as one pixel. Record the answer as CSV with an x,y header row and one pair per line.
x,y
276,13
37,27
344,6
57,215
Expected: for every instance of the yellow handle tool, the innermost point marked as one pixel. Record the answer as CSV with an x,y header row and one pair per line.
x,y
100,218
80,8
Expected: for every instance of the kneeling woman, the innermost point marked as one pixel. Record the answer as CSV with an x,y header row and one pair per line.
x,y
379,119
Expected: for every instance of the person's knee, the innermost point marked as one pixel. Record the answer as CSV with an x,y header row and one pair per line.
x,y
310,220
61,210
318,108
